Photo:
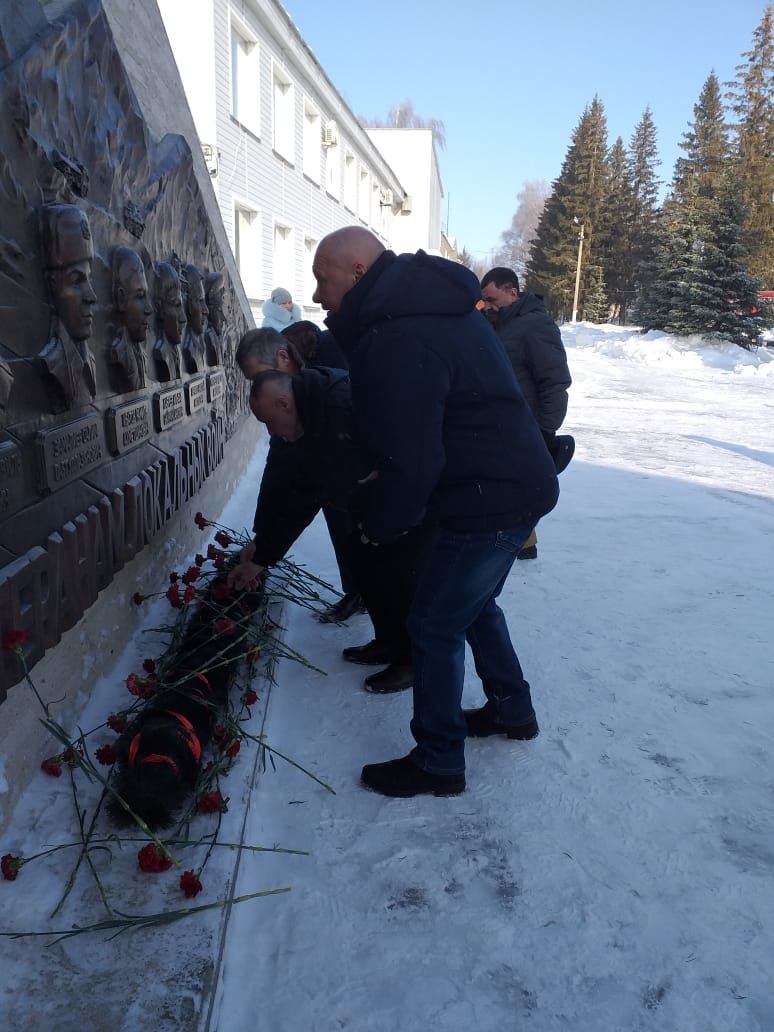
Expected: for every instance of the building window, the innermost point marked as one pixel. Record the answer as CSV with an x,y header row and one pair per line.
x,y
312,141
376,208
310,284
350,180
245,79
333,170
364,195
284,115
247,249
284,259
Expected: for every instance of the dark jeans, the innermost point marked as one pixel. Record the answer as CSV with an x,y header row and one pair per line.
x,y
387,577
455,600
339,528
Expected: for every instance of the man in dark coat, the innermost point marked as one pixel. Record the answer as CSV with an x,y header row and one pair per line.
x,y
534,346
444,429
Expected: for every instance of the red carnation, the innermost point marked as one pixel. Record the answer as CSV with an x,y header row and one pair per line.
x,y
137,598
212,802
173,596
149,665
200,521
220,562
218,732
250,697
223,539
191,574
189,594
212,552
199,559
233,749
10,866
190,884
13,640
106,755
142,687
225,627
117,722
221,591
173,578
152,861
52,766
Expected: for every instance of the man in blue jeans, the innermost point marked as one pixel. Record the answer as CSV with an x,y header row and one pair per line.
x,y
445,434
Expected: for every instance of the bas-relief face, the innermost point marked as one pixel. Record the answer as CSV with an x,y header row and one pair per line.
x,y
197,308
215,300
134,305
73,297
172,313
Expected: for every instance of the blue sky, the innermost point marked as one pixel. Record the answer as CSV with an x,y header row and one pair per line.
x,y
511,81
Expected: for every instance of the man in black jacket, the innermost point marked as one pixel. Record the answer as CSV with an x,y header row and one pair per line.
x,y
534,346
444,429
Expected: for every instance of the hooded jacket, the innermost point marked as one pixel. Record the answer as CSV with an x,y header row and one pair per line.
x,y
438,412
278,318
534,345
317,469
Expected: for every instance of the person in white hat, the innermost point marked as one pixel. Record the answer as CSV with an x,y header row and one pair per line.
x,y
279,311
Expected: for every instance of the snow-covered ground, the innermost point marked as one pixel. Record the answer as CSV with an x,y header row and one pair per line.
x,y
616,873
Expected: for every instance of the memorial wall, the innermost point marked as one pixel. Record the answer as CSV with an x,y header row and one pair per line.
x,y
118,326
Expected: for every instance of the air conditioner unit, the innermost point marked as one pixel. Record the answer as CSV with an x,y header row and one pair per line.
x,y
330,134
406,206
386,199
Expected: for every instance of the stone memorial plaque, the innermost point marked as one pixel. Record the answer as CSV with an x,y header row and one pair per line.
x,y
196,394
69,451
216,385
11,480
170,408
128,425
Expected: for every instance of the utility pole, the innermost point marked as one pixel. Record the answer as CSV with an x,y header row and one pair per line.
x,y
577,273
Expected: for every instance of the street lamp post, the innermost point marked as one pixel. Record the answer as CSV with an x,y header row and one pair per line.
x,y
577,273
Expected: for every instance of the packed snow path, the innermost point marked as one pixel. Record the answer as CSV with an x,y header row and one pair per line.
x,y
614,874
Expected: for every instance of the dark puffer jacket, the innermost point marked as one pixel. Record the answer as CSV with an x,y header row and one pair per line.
x,y
318,469
437,408
534,345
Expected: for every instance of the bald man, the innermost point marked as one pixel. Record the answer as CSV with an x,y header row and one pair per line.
x,y
445,432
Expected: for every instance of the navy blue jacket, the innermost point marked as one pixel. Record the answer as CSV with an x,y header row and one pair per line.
x,y
318,469
534,345
438,412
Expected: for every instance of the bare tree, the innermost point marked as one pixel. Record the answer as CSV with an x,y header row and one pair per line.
x,y
516,240
403,116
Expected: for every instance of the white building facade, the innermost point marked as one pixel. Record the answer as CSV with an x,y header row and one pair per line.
x,y
288,159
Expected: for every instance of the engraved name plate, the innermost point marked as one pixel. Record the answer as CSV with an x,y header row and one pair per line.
x,y
69,451
11,481
170,408
196,394
216,385
128,425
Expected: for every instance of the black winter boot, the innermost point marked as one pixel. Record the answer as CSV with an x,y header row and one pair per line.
x,y
394,678
527,553
371,654
347,606
481,724
402,778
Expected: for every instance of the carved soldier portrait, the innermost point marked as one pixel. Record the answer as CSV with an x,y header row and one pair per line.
x,y
215,289
131,302
196,311
66,360
170,322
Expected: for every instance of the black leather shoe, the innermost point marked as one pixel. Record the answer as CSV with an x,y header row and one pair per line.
x,y
371,654
394,678
528,553
402,778
347,606
481,724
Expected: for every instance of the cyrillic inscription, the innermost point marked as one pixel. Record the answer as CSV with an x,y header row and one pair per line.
x,y
69,451
196,394
170,408
11,481
128,425
216,385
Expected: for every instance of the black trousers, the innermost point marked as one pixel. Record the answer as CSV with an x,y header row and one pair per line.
x,y
340,527
387,576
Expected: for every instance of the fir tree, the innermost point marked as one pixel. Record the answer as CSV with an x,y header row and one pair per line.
x,y
752,101
616,247
643,162
596,307
699,174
